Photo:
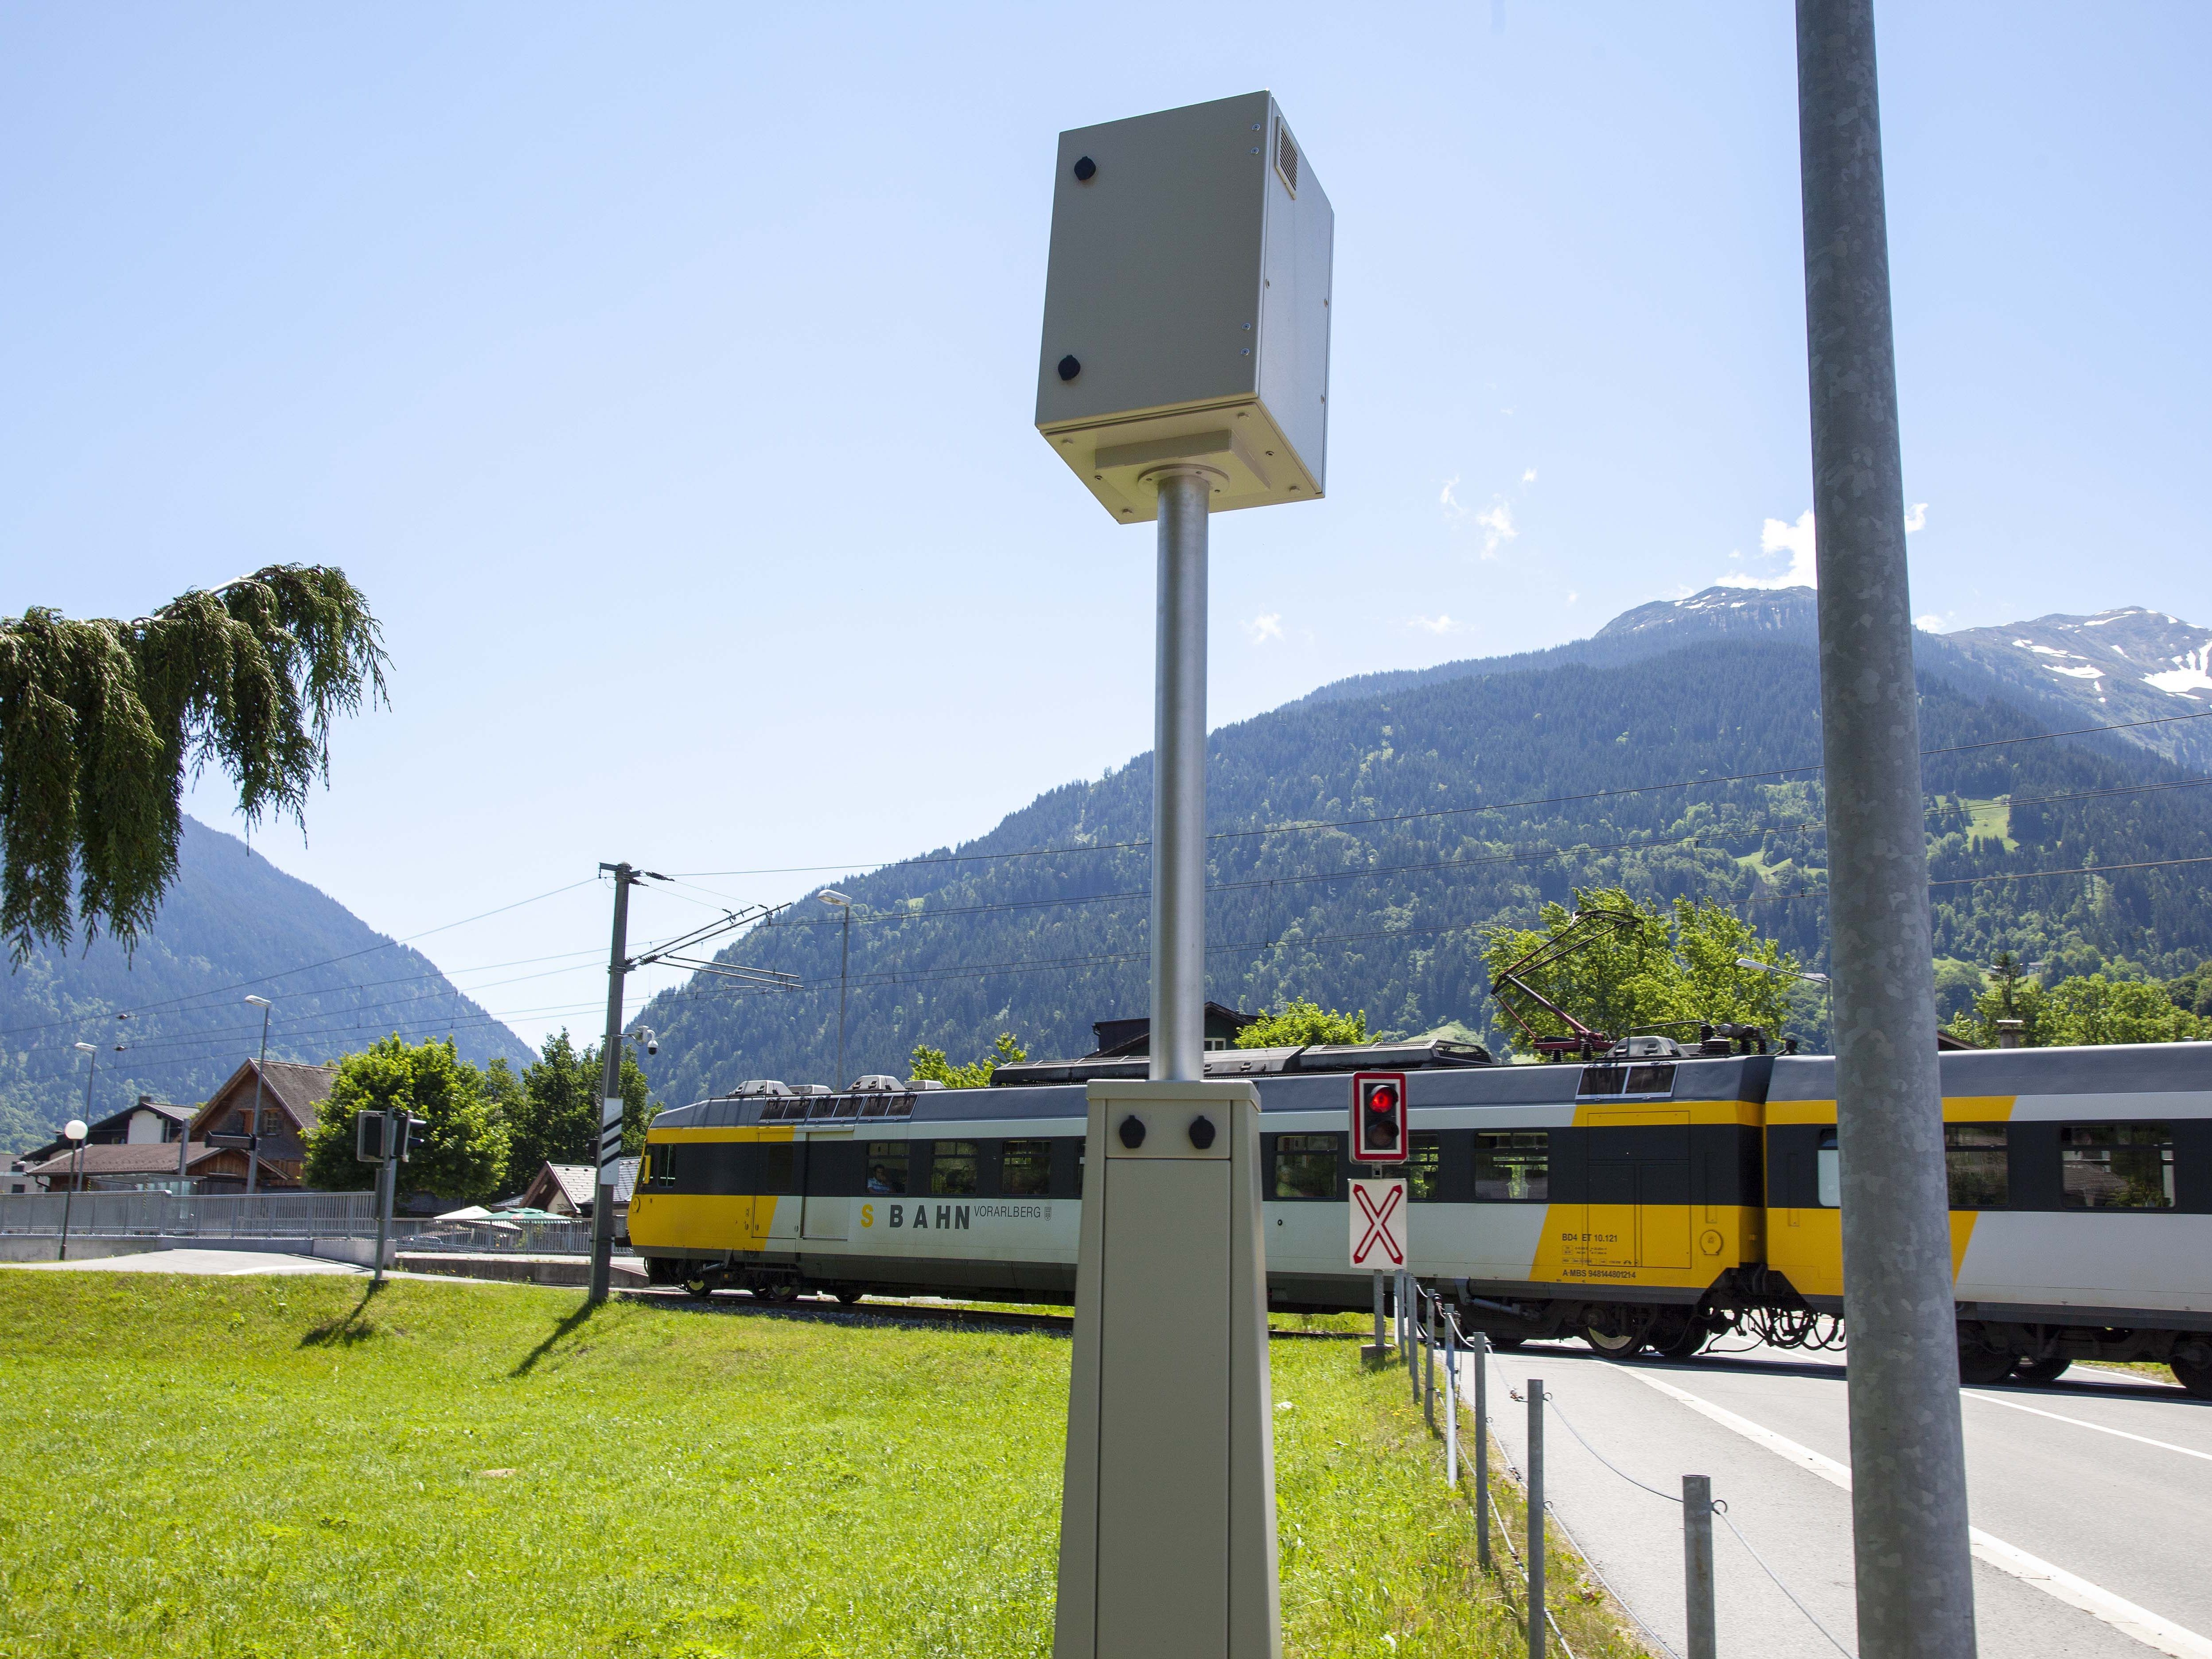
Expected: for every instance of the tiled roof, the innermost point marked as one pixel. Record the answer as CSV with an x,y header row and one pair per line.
x,y
577,1181
148,1157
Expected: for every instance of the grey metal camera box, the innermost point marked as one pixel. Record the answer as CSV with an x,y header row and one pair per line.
x,y
1187,307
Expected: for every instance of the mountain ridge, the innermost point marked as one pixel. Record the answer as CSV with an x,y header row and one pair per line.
x,y
231,922
1360,843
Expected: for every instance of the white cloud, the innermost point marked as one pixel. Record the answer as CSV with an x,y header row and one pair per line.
x,y
1916,517
1931,623
1780,536
1529,476
1264,628
1497,528
1572,596
1440,624
1447,498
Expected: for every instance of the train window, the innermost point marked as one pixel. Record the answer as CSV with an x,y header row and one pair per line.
x,y
777,1170
887,1166
903,1107
1424,1170
661,1164
849,1106
1513,1166
824,1106
1305,1166
1025,1168
2117,1166
952,1171
1974,1162
1626,1080
1828,1163
875,1106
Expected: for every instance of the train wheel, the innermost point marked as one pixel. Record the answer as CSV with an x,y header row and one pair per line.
x,y
699,1288
1980,1365
784,1289
2042,1370
848,1297
1612,1347
1679,1338
2197,1379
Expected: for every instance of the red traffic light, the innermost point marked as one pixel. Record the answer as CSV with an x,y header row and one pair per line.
x,y
1379,1117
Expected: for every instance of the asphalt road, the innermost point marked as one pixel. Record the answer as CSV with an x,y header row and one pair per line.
x,y
2104,1476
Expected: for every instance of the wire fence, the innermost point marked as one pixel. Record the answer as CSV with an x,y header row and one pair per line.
x,y
1424,1325
166,1215
302,1216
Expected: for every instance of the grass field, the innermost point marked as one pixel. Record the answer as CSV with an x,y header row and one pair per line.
x,y
274,1467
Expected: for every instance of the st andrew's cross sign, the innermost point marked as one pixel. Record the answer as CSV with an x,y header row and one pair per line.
x,y
1379,1224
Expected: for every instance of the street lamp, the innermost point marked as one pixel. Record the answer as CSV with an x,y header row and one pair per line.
x,y
831,896
75,1132
1820,980
1757,966
253,1129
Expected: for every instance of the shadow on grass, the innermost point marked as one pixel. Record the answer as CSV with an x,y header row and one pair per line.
x,y
566,1327
354,1326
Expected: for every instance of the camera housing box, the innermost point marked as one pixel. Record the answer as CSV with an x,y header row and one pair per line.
x,y
1187,307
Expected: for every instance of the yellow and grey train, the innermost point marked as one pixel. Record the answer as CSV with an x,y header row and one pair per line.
x,y
1645,1203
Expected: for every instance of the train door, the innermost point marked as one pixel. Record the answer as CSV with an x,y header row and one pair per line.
x,y
827,1204
1639,1188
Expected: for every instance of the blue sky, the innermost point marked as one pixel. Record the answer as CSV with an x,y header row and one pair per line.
x,y
664,374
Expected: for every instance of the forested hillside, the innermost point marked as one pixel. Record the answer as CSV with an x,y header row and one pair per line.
x,y
1362,843
232,923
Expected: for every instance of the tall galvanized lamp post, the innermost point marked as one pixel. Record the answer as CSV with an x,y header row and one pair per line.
x,y
1184,371
1915,1569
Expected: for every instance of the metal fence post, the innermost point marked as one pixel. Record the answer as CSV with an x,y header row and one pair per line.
x,y
1380,1350
1697,1565
1535,1517
1482,1450
1451,1403
1430,1306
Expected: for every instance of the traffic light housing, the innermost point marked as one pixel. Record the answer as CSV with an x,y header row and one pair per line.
x,y
1379,1117
387,1137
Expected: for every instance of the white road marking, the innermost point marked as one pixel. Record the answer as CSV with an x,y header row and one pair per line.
x,y
2083,1423
2121,1614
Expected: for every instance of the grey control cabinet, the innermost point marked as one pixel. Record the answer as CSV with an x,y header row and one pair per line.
x,y
1187,307
1167,1546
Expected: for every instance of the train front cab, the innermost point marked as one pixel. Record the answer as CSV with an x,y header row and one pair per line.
x,y
2080,1193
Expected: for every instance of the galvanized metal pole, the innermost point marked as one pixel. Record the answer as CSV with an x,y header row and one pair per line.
x,y
1536,1518
1429,1359
1381,1348
1698,1566
387,1177
611,1104
844,975
1482,1450
1178,1026
1915,1584
1452,1403
253,1151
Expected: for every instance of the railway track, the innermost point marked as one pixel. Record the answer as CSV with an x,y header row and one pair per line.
x,y
939,1315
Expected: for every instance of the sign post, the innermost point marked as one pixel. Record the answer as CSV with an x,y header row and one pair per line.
x,y
1183,371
